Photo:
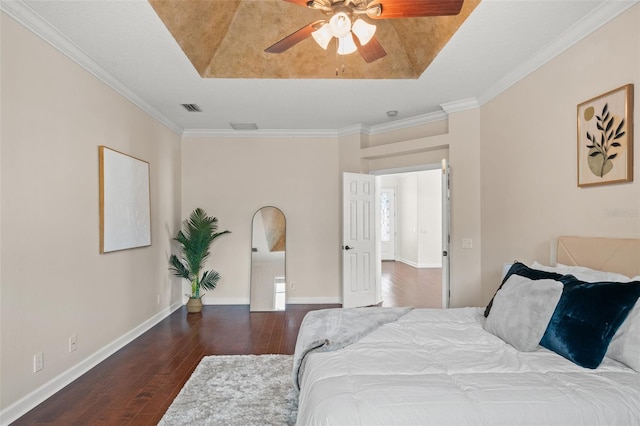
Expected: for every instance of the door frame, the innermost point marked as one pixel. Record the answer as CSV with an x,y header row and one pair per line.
x,y
394,220
446,292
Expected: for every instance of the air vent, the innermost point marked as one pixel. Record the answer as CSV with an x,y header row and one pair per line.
x,y
191,107
243,126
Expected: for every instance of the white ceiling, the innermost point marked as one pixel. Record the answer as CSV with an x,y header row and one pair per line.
x,y
125,44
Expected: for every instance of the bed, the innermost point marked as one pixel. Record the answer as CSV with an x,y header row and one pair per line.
x,y
454,367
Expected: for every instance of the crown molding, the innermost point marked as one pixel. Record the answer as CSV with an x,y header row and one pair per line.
x,y
228,133
596,19
356,129
461,105
25,16
408,122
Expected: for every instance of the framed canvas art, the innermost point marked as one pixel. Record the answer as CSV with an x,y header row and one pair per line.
x,y
605,138
125,212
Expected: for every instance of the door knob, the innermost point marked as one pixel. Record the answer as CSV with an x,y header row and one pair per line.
x,y
348,248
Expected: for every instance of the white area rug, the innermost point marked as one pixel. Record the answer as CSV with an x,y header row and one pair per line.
x,y
236,390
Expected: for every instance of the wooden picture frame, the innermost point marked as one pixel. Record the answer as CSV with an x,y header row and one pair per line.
x,y
605,138
125,208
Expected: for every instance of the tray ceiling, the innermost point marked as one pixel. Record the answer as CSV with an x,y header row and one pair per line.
x,y
227,38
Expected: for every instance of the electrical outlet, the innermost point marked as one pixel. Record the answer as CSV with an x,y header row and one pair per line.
x,y
467,243
73,343
38,362
292,285
158,299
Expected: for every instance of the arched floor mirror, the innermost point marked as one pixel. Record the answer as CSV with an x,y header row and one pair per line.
x,y
268,260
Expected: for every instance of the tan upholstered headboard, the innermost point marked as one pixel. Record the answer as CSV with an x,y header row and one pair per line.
x,y
604,254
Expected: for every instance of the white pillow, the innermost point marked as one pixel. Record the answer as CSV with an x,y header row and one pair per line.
x,y
625,345
583,273
546,268
521,311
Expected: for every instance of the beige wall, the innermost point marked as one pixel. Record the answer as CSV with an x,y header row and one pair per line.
x,y
231,178
529,190
54,282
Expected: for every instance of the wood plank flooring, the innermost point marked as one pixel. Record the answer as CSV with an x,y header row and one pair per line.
x,y
404,285
136,385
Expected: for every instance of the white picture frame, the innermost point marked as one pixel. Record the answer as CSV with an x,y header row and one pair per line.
x,y
125,208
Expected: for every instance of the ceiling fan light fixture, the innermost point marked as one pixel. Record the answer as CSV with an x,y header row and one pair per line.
x,y
363,30
346,45
374,11
340,25
323,36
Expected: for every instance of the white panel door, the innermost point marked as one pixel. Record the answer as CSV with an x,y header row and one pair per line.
x,y
358,241
446,292
388,224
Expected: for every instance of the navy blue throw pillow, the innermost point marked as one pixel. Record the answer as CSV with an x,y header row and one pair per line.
x,y
586,318
524,271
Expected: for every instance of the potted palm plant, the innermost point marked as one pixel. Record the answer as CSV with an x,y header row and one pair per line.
x,y
198,232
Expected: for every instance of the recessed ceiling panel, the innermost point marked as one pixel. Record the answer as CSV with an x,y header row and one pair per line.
x,y
227,39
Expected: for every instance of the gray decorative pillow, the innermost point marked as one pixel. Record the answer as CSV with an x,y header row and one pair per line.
x,y
522,309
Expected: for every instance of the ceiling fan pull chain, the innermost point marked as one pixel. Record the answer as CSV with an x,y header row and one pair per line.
x,y
339,66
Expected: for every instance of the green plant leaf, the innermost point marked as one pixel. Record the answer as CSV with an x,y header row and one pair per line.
x,y
209,280
178,267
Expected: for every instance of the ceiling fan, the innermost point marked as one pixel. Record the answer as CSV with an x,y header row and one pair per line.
x,y
346,19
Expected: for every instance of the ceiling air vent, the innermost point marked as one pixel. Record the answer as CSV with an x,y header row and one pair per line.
x,y
191,107
243,126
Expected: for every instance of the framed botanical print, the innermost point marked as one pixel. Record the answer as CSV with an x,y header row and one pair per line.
x,y
605,138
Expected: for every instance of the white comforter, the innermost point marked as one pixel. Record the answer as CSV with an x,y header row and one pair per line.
x,y
439,367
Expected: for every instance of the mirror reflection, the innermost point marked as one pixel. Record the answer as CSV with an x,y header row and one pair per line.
x,y
268,252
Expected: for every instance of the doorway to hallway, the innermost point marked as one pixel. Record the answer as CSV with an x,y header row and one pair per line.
x,y
411,220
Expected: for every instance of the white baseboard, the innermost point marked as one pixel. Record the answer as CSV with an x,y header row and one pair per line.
x,y
421,265
224,301
314,300
290,301
30,401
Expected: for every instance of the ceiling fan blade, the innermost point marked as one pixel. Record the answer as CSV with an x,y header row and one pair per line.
x,y
416,8
294,38
299,2
371,51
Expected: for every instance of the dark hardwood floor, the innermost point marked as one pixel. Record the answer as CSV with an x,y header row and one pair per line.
x,y
136,385
404,285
